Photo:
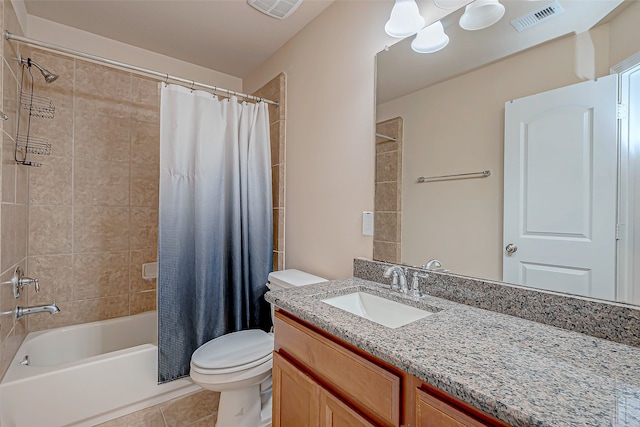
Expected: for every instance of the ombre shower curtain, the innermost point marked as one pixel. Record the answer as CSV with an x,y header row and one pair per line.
x,y
215,222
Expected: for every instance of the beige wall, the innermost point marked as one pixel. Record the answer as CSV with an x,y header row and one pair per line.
x,y
330,134
624,35
457,127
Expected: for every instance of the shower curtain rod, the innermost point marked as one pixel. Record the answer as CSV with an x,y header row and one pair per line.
x,y
164,77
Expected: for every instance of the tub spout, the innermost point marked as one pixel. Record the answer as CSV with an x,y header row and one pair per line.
x,y
23,311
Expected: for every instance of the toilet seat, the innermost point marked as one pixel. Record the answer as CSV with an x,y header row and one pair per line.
x,y
233,352
238,366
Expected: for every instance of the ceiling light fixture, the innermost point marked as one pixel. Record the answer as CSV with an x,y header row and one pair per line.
x,y
481,14
430,39
405,19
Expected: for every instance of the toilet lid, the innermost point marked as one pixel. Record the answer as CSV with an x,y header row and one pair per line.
x,y
234,349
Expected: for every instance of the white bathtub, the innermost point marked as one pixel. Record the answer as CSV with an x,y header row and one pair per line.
x,y
86,374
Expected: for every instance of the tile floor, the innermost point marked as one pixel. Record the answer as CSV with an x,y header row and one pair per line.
x,y
198,409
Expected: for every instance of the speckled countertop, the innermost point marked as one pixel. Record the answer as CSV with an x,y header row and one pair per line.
x,y
523,372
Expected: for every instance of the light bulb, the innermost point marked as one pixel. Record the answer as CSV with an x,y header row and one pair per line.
x,y
481,14
430,39
405,19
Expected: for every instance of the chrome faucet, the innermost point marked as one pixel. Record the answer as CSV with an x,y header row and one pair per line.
x,y
435,265
398,274
23,311
432,265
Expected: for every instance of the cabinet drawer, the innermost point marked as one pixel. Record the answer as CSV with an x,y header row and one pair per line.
x,y
370,388
433,412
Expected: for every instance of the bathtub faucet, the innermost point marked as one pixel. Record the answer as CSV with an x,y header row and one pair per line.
x,y
23,311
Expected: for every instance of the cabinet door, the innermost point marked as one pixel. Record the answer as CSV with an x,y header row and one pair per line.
x,y
299,401
296,397
334,413
433,412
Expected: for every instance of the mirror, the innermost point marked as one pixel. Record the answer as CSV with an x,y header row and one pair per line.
x,y
447,111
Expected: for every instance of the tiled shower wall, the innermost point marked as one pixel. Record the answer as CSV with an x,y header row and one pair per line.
x,y
93,205
387,238
14,206
275,90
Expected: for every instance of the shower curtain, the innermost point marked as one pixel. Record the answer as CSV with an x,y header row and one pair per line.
x,y
215,222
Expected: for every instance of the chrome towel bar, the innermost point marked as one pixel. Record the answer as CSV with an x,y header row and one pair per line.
x,y
388,138
482,174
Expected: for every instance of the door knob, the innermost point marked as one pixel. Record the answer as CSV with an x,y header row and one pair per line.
x,y
511,248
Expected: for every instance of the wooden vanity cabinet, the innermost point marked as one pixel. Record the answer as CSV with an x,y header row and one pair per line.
x,y
320,380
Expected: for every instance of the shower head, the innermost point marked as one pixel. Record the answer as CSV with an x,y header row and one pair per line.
x,y
49,77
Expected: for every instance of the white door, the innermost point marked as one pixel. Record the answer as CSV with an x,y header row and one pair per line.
x,y
629,192
560,176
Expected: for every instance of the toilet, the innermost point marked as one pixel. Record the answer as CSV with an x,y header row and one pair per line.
x,y
238,365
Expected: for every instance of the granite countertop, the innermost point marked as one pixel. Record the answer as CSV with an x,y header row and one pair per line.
x,y
523,372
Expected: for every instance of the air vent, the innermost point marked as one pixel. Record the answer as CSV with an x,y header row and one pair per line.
x,y
279,9
537,16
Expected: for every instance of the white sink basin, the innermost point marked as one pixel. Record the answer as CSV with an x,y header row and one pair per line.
x,y
388,313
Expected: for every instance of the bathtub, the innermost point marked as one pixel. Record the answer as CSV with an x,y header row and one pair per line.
x,y
86,374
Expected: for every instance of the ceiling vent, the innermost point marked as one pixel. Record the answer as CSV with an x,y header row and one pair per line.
x,y
279,9
537,16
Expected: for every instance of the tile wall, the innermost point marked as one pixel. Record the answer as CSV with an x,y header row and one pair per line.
x,y
388,192
14,198
275,90
93,205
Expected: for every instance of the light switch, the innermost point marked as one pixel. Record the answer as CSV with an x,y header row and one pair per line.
x,y
367,223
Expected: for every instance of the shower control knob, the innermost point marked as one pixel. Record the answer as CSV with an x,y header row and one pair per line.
x,y
26,281
511,248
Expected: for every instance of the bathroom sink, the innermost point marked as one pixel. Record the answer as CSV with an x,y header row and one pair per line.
x,y
388,313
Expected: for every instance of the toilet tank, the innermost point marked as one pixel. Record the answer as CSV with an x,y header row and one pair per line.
x,y
284,279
